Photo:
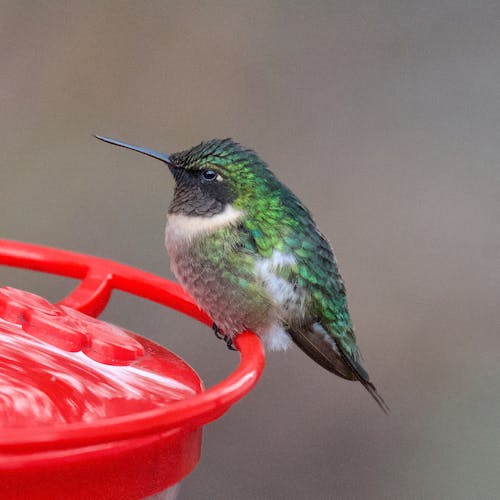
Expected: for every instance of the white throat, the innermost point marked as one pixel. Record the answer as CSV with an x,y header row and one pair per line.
x,y
186,227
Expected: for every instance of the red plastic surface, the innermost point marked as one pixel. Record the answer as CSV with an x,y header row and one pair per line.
x,y
122,451
42,384
68,328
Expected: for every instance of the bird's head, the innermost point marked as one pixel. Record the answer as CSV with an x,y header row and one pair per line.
x,y
212,176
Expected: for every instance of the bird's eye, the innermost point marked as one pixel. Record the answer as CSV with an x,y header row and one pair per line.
x,y
209,175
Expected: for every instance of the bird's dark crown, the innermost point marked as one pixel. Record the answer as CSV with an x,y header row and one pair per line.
x,y
216,152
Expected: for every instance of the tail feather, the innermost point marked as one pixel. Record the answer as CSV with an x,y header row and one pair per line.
x,y
376,396
363,377
333,357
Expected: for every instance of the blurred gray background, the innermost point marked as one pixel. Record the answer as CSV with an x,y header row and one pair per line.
x,y
383,116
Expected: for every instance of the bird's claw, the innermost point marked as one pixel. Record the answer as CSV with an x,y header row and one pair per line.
x,y
227,339
218,333
229,344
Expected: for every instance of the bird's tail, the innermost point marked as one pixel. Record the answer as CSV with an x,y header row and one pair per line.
x,y
362,375
335,358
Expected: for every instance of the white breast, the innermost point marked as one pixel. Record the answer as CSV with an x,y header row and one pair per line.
x,y
184,228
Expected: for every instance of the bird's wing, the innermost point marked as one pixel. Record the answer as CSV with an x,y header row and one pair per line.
x,y
325,333
333,326
321,348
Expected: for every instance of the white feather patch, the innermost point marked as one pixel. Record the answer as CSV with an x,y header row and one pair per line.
x,y
276,338
319,330
186,227
284,293
279,288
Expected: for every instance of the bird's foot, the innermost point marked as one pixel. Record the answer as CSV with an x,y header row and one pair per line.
x,y
218,332
229,343
227,339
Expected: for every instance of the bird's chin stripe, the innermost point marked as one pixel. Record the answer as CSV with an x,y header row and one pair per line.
x,y
180,226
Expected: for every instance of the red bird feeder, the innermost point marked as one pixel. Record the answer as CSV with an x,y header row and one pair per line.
x,y
88,409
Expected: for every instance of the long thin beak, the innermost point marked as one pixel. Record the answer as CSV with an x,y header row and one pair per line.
x,y
150,152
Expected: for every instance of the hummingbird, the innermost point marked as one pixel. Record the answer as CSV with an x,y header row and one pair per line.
x,y
249,252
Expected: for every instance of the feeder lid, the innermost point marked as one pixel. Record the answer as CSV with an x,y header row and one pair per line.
x,y
61,369
60,366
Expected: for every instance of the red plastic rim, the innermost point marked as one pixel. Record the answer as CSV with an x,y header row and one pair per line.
x,y
98,279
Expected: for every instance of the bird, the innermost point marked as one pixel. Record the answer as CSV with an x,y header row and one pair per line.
x,y
250,254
